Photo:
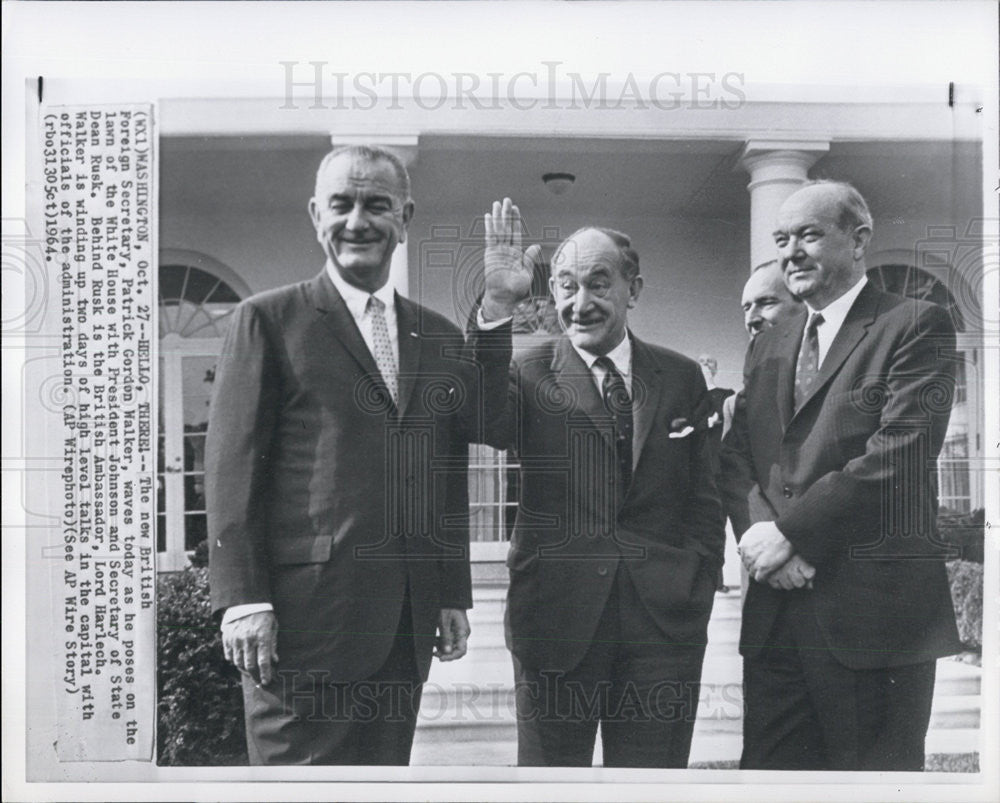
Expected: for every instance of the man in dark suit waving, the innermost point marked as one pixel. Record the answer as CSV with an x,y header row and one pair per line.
x,y
829,475
337,487
619,532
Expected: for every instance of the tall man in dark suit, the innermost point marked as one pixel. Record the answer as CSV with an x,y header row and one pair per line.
x,y
829,474
337,487
619,532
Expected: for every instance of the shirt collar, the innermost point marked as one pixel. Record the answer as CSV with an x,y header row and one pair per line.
x,y
356,298
620,355
835,312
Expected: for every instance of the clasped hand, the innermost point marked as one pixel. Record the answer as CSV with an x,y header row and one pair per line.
x,y
769,557
508,269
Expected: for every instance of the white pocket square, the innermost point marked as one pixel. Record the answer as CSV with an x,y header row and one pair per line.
x,y
682,434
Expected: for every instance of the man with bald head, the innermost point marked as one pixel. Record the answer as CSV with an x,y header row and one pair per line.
x,y
619,531
766,301
833,456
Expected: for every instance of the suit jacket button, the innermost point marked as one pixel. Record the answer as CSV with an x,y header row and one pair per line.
x,y
787,492
603,571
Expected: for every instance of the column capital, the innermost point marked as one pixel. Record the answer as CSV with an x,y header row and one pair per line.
x,y
777,168
405,145
783,156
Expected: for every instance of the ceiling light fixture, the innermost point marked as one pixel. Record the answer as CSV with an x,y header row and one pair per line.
x,y
558,183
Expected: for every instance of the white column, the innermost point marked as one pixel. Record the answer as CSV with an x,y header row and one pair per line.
x,y
406,147
777,169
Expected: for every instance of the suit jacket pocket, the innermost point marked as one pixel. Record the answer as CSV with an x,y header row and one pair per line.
x,y
522,560
667,577
301,549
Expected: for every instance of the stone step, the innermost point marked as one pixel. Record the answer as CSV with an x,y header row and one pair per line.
x,y
721,673
474,707
951,713
490,738
952,741
482,748
499,749
957,678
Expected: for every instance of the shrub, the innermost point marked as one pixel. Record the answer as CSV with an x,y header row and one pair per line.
x,y
966,580
967,531
200,704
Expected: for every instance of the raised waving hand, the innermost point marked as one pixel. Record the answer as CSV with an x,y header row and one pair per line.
x,y
508,269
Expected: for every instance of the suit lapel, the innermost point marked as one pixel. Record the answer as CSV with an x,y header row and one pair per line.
x,y
332,308
788,348
854,329
647,386
572,373
337,317
407,324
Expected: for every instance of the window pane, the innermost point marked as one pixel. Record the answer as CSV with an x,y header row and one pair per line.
x,y
195,529
492,495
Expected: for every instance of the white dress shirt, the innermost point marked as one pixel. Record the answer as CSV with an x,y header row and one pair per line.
x,y
834,314
620,356
357,305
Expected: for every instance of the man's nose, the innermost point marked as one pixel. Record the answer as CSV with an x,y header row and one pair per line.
x,y
356,218
791,250
581,300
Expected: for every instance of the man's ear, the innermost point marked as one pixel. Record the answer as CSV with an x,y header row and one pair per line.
x,y
408,209
634,288
313,212
862,235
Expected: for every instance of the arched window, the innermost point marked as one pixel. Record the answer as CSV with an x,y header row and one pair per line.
x,y
197,294
906,280
956,490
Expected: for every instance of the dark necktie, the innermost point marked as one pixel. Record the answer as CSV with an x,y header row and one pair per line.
x,y
807,367
619,405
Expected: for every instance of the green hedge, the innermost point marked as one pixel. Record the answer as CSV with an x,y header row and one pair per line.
x,y
967,531
966,580
200,705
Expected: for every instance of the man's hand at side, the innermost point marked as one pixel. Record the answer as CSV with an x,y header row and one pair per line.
x,y
764,549
453,634
508,270
797,572
251,644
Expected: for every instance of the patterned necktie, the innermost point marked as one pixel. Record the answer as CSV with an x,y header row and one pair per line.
x,y
618,403
808,365
382,351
